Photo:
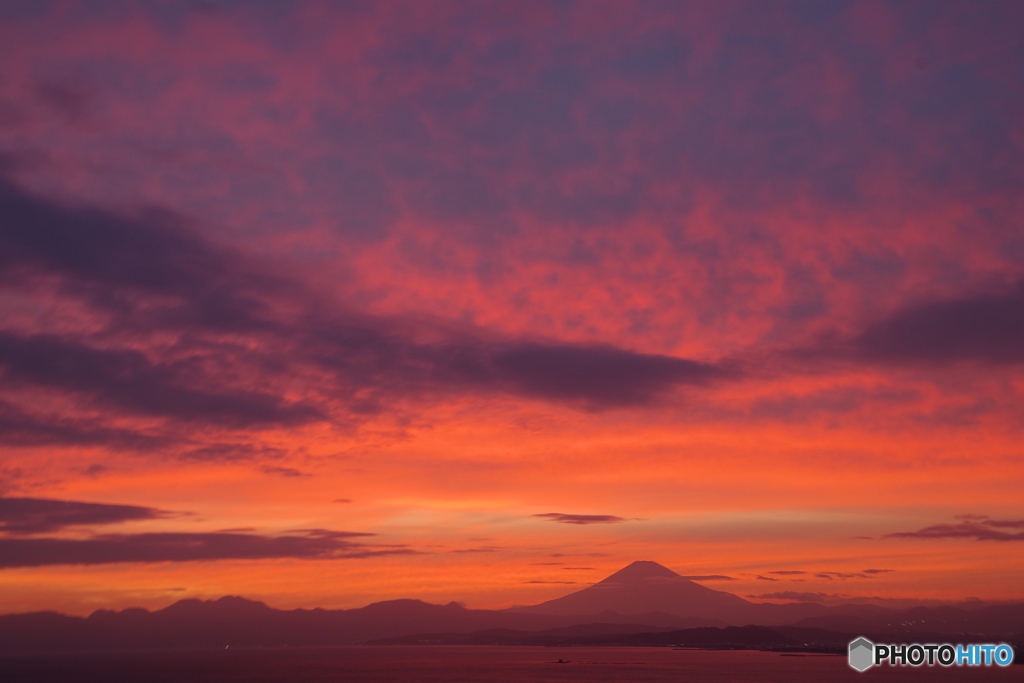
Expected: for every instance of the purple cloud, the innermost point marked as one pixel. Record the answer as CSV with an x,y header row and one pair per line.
x,y
987,328
563,518
311,544
35,515
980,531
283,471
600,375
152,273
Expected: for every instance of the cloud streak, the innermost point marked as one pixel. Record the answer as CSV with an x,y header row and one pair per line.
x,y
986,530
794,595
188,547
600,375
581,520
35,515
987,329
984,329
129,381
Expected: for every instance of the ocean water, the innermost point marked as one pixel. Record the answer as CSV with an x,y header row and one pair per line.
x,y
470,664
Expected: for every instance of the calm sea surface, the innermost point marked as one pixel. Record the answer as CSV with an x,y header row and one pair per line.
x,y
466,665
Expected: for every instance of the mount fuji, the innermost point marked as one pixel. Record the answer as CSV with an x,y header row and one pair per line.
x,y
644,586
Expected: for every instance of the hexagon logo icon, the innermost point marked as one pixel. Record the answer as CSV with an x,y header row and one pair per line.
x,y
862,654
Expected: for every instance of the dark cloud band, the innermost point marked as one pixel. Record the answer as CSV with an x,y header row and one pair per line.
x,y
187,547
986,530
793,595
562,518
987,329
34,515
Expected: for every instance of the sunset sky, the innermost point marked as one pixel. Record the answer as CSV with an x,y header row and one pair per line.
x,y
326,303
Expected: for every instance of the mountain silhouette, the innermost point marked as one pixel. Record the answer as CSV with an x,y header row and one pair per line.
x,y
642,598
645,586
235,622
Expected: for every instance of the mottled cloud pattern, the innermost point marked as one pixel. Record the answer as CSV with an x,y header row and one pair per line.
x,y
749,273
153,275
